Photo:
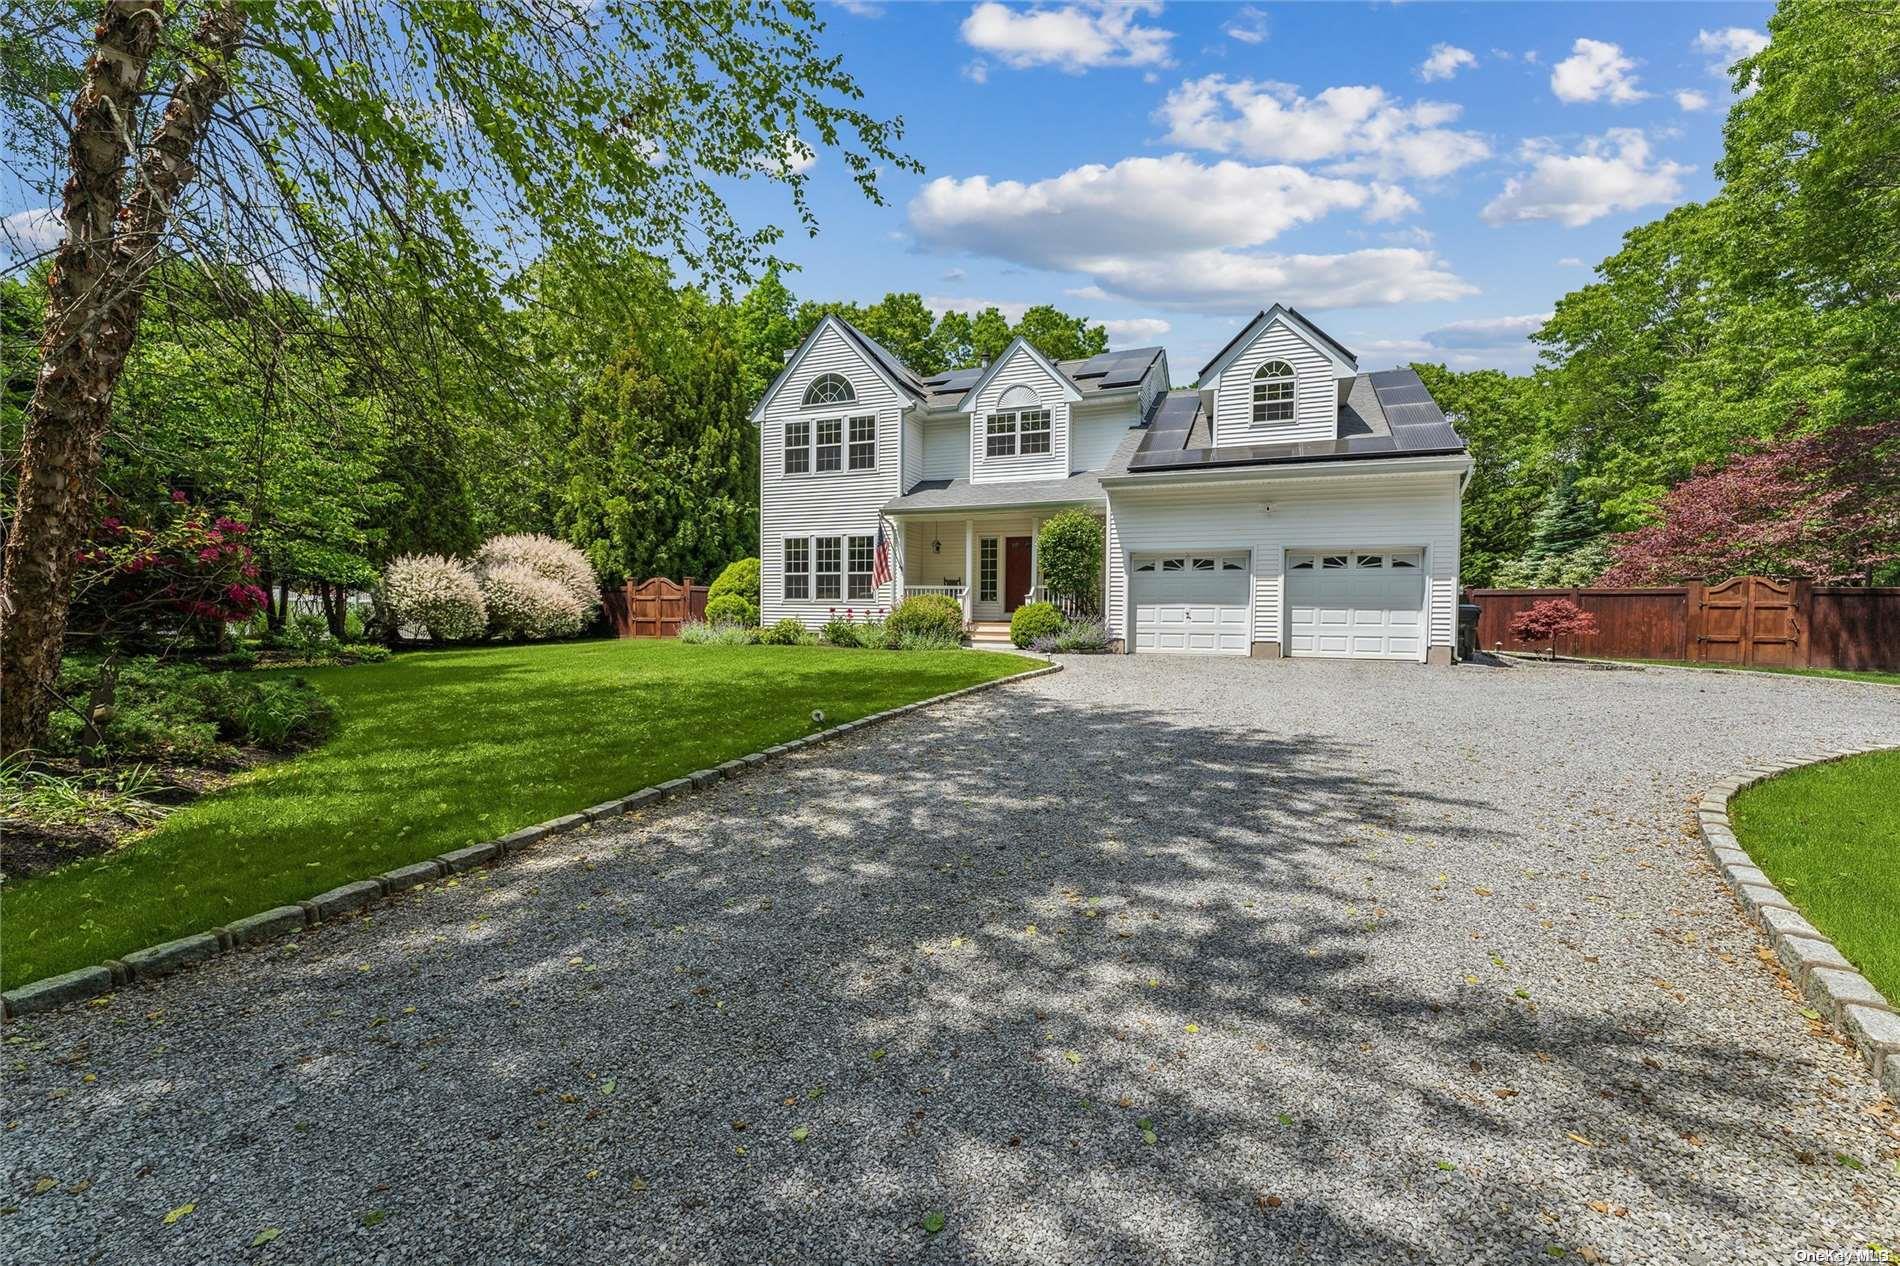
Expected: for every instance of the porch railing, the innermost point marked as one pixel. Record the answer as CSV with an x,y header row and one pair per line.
x,y
1070,606
947,591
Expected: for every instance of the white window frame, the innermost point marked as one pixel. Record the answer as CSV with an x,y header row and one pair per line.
x,y
801,573
850,392
854,457
1045,432
802,447
852,444
819,573
859,549
1266,410
999,426
989,569
856,564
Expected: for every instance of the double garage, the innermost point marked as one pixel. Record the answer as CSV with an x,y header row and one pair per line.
x,y
1340,604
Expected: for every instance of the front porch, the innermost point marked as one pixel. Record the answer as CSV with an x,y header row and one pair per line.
x,y
987,562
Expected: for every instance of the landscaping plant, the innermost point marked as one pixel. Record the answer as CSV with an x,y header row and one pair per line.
x,y
787,632
1034,620
1069,554
935,614
1551,619
440,595
551,559
701,633
732,608
530,606
1077,637
741,577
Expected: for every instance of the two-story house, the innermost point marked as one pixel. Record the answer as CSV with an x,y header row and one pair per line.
x,y
1286,505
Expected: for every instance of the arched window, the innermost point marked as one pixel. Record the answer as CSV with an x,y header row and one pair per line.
x,y
1018,397
1273,392
829,389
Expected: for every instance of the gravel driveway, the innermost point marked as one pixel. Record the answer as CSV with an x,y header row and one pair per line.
x,y
1149,960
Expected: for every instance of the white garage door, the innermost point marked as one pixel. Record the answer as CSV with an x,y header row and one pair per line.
x,y
1191,603
1351,605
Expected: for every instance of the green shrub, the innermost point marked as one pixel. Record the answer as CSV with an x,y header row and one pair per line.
x,y
928,613
928,641
1033,620
742,578
787,632
840,632
187,715
1069,554
700,633
1081,637
732,608
878,635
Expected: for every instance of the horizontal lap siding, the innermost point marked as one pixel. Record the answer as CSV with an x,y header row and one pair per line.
x,y
1384,512
1020,370
837,504
1316,393
1095,433
947,447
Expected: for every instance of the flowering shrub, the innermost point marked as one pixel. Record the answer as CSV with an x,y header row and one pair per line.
x,y
187,563
438,594
932,613
1034,620
1078,637
529,604
556,560
1550,619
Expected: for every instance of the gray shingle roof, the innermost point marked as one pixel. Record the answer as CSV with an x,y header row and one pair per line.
x,y
1094,376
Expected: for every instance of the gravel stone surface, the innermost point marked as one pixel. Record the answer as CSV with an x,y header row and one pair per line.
x,y
1151,960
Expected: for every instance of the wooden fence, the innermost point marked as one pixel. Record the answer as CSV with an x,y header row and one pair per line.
x,y
1750,620
656,607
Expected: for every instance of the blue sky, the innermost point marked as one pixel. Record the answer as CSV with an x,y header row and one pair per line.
x,y
1425,180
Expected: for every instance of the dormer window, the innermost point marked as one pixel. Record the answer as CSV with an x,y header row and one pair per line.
x,y
1020,425
829,389
1273,386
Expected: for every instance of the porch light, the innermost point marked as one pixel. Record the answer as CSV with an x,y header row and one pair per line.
x,y
936,546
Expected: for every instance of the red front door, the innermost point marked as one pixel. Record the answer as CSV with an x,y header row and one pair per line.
x,y
1015,572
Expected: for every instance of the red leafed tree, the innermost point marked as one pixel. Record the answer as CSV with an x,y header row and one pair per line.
x,y
1823,506
1550,619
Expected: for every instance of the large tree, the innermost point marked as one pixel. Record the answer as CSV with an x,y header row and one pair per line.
x,y
417,143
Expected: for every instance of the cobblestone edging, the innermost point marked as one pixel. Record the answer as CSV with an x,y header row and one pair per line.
x,y
1824,976
162,960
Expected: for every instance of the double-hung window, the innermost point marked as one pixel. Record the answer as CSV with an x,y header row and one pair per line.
x,y
863,454
828,452
1000,435
861,555
797,568
829,553
797,447
1033,428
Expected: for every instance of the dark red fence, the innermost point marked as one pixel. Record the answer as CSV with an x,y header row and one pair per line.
x,y
1750,620
655,607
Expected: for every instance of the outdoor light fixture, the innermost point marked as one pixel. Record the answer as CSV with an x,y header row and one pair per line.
x,y
936,546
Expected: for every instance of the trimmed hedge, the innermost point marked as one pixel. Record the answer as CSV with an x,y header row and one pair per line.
x,y
1033,620
935,614
740,577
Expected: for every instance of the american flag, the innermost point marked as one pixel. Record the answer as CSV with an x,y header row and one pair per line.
x,y
881,569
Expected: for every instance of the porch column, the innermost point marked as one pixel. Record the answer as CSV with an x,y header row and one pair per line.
x,y
899,539
969,569
1035,557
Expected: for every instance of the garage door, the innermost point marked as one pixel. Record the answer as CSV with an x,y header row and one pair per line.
x,y
1351,605
1191,603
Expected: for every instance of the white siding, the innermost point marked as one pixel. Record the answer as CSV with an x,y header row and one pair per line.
x,y
1371,512
913,465
1316,393
947,447
841,503
1021,369
1097,430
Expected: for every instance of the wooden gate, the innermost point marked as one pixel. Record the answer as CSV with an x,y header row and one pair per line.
x,y
655,607
1750,620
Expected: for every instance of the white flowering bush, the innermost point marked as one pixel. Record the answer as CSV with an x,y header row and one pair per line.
x,y
527,604
438,594
547,557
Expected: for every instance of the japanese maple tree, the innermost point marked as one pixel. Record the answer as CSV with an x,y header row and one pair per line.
x,y
1550,619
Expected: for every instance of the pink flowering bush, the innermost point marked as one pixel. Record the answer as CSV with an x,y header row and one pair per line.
x,y
1551,619
1825,506
438,594
547,557
147,579
527,604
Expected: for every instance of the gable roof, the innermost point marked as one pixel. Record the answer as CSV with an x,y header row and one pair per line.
x,y
1105,374
896,375
1019,343
1341,356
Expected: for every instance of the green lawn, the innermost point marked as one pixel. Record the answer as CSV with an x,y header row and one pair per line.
x,y
1829,836
1841,674
441,749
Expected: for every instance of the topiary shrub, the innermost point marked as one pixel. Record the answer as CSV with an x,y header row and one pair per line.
x,y
528,605
732,608
439,595
547,557
741,577
1069,553
933,613
787,632
1033,620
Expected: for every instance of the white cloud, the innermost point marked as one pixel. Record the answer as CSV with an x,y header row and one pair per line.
x,y
1359,128
977,72
1012,309
1690,99
1594,71
1445,61
1074,37
1410,235
1134,330
860,8
1729,45
1571,261
1389,202
1137,205
1249,26
954,274
1235,281
1486,331
1612,172
29,233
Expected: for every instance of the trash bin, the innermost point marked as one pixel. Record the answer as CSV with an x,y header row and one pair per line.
x,y
1468,613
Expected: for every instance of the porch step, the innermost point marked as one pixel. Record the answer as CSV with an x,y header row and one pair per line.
x,y
990,635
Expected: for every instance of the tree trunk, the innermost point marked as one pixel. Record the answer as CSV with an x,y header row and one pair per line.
x,y
96,295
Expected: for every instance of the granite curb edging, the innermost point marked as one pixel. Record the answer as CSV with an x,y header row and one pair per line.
x,y
349,899
1838,993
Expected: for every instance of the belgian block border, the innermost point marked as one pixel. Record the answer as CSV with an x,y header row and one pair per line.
x,y
1825,977
353,898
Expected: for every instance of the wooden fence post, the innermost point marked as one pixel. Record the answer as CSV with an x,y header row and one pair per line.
x,y
1692,623
1803,650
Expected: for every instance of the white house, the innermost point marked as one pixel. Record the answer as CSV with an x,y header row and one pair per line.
x,y
1286,505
